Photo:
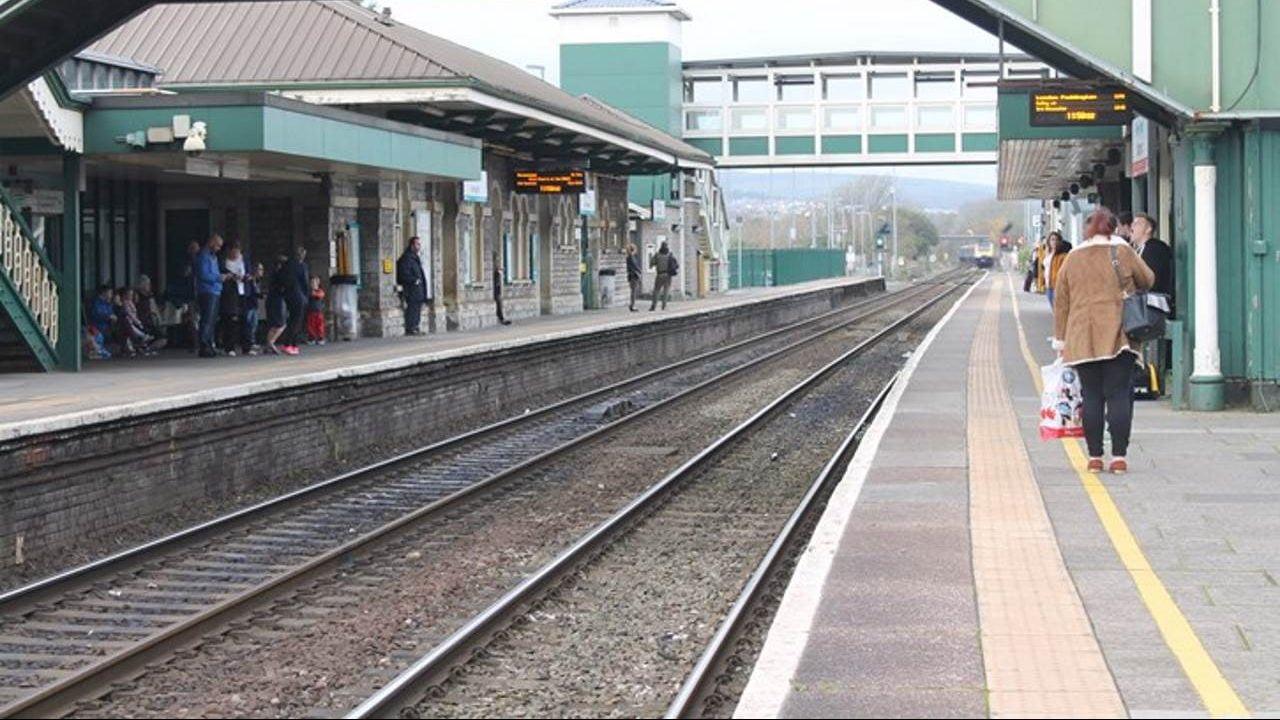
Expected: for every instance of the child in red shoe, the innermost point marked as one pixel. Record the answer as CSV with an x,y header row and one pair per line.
x,y
315,313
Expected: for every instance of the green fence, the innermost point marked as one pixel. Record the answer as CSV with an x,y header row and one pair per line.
x,y
764,268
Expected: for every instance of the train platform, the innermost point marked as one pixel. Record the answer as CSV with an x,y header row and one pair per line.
x,y
115,389
965,568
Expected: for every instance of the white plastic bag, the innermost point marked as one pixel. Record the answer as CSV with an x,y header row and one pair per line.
x,y
1061,406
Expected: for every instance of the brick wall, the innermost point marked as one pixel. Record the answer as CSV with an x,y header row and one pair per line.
x,y
61,486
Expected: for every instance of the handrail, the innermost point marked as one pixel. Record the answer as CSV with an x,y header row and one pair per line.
x,y
29,270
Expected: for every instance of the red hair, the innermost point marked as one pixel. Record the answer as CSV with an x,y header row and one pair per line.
x,y
1101,222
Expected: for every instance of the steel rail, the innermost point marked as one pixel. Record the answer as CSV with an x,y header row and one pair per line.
x,y
415,680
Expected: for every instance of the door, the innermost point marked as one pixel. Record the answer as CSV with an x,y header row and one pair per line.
x,y
182,226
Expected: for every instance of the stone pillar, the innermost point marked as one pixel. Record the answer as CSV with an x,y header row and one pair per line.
x,y
1208,390
380,312
69,290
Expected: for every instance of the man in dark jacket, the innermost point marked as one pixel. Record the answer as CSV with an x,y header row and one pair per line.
x,y
1154,253
497,287
633,274
665,265
413,283
297,283
209,279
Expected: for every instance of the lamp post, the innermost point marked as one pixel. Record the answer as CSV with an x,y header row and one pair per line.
x,y
893,198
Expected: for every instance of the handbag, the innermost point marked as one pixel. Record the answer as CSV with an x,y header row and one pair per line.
x,y
1141,317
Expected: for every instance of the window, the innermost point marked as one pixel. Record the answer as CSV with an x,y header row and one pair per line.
x,y
838,118
751,89
843,88
890,86
980,85
936,86
795,88
888,117
795,119
935,117
703,120
703,90
980,116
754,119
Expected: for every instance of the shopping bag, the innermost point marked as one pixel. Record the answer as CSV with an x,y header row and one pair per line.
x,y
1061,406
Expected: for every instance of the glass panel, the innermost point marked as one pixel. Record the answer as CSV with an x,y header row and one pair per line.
x,y
843,119
751,89
843,87
936,86
703,120
889,116
935,117
703,90
980,116
795,119
890,86
985,79
750,120
795,88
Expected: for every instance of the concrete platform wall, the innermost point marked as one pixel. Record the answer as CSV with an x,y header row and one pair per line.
x,y
93,479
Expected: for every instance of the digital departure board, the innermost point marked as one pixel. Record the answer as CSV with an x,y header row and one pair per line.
x,y
551,182
1080,107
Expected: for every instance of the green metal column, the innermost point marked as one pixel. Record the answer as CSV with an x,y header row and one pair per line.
x,y
1208,388
69,290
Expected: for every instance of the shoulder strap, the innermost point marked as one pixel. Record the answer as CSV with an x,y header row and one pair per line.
x,y
1115,265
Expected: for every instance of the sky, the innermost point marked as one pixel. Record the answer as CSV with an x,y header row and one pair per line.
x,y
522,33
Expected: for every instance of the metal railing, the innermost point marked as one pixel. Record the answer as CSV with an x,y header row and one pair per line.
x,y
28,270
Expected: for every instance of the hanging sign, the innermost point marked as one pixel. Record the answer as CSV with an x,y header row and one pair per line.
x,y
1141,147
587,203
1080,107
659,210
476,191
551,182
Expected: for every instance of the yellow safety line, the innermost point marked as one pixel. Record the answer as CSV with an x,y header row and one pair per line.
x,y
1215,692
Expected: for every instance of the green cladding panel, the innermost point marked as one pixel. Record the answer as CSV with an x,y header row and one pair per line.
x,y
979,142
757,267
841,144
935,142
748,146
642,79
715,146
794,145
887,143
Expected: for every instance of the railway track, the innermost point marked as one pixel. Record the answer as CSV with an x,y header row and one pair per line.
x,y
612,625
73,635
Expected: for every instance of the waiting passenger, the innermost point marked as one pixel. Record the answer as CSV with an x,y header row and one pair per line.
x,y
315,313
209,281
295,282
412,280
666,266
231,305
148,311
1052,255
1088,332
137,339
634,275
102,313
497,287
276,307
250,311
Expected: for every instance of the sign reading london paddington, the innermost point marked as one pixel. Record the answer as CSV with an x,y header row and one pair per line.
x,y
551,182
1080,107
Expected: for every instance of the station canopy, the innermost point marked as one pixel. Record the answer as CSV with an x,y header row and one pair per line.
x,y
334,52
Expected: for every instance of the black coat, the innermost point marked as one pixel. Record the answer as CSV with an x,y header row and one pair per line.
x,y
1159,257
633,268
411,277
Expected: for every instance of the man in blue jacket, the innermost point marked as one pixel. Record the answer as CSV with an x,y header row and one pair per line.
x,y
209,279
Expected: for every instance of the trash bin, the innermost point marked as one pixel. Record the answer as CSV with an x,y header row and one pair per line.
x,y
608,287
346,313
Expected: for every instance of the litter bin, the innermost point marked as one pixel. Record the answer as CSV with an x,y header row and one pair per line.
x,y
346,314
608,287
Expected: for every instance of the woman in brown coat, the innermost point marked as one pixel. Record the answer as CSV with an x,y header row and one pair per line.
x,y
1088,331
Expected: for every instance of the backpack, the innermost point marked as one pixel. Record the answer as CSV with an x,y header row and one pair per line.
x,y
674,265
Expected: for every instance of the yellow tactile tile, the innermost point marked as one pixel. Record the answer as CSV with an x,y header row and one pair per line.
x,y
1039,652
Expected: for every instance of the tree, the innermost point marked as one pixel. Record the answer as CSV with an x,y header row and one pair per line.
x,y
917,235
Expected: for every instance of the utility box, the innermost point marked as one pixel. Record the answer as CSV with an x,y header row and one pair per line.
x,y
608,287
346,313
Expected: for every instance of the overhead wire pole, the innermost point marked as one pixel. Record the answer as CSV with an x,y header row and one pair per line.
x,y
893,199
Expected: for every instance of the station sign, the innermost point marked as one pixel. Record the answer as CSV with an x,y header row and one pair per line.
x,y
551,182
1080,107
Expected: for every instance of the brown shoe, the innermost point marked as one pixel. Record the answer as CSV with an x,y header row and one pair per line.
x,y
1095,465
1119,466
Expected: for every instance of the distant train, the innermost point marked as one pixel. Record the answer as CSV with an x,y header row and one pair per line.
x,y
981,254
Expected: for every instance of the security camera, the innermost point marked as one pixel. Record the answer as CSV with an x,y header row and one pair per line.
x,y
194,144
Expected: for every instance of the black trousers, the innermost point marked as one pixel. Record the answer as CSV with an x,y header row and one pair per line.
x,y
497,301
1107,387
412,315
293,331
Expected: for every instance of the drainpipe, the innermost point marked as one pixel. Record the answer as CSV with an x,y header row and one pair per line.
x,y
1208,390
1215,52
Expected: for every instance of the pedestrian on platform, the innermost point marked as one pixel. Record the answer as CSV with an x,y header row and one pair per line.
x,y
633,274
1053,254
412,280
497,287
296,283
231,305
209,280
1154,253
1088,331
250,303
187,294
277,315
665,266
315,313
148,311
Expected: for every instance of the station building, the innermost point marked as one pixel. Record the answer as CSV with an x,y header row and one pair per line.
x,y
1197,147
325,125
